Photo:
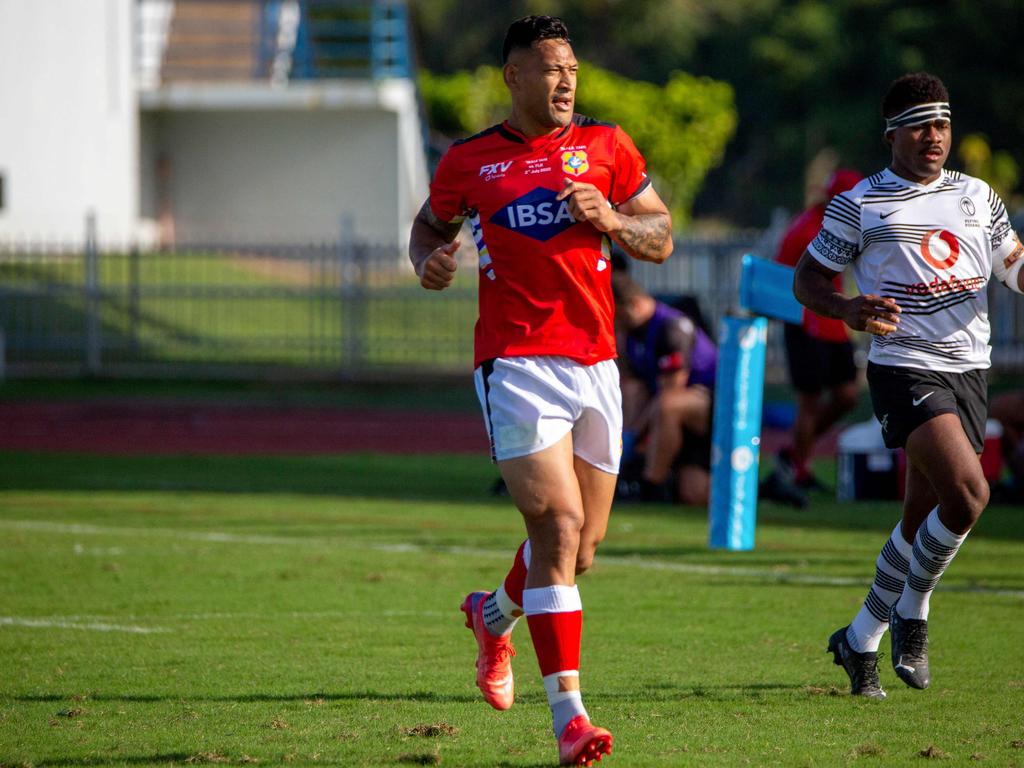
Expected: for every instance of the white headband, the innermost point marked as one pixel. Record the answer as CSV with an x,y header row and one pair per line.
x,y
919,114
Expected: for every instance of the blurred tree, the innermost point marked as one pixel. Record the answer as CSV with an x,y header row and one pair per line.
x,y
808,75
998,168
681,128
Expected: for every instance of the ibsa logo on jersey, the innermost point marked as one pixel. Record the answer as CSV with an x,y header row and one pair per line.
x,y
575,162
940,248
536,214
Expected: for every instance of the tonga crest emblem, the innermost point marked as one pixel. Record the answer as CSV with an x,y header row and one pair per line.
x,y
575,162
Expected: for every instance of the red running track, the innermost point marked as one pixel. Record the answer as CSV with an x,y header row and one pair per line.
x,y
132,427
154,428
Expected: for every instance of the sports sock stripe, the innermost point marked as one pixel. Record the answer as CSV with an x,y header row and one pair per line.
x,y
935,546
891,568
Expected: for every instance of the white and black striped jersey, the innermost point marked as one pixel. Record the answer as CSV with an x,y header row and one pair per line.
x,y
929,247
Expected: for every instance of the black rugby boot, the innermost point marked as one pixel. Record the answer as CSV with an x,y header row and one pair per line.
x,y
862,668
909,649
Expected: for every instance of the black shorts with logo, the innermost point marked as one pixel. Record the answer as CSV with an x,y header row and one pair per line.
x,y
905,398
816,365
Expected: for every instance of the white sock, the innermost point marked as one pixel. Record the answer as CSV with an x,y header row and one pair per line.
x,y
891,568
565,705
935,546
500,612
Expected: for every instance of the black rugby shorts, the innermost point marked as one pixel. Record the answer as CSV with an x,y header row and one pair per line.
x,y
905,398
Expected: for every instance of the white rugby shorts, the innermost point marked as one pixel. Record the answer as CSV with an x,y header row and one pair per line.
x,y
530,403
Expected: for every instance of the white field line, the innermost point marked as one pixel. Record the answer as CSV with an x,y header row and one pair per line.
x,y
641,563
104,623
15,621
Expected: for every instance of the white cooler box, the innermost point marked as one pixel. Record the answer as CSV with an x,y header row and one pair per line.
x,y
866,469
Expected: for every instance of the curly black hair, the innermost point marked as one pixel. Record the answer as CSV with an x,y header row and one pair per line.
x,y
911,89
529,29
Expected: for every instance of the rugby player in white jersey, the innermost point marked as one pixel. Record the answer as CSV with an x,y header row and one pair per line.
x,y
923,242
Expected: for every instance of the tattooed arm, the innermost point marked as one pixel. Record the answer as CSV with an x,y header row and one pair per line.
x,y
642,226
432,246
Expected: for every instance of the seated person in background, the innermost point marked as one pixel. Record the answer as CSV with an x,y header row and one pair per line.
x,y
1008,409
667,369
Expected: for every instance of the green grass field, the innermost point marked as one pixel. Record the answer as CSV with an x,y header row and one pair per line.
x,y
159,611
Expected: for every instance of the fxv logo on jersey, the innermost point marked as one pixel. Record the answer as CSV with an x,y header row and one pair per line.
x,y
536,214
495,169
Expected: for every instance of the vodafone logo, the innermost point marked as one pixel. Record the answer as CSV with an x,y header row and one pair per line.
x,y
940,248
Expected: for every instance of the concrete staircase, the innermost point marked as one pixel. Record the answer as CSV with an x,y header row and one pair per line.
x,y
213,40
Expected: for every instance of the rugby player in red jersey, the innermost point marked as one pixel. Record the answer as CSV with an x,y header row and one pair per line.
x,y
544,193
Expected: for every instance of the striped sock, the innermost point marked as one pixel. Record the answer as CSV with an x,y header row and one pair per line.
x,y
935,546
865,632
504,606
555,618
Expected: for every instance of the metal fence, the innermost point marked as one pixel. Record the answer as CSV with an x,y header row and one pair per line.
x,y
313,311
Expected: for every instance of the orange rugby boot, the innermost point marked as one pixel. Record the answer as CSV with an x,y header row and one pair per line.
x,y
494,655
582,743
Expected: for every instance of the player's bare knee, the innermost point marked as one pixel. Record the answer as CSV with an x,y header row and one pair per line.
x,y
561,530
584,559
976,495
965,502
585,555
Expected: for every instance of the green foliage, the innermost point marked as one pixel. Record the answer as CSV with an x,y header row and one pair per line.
x,y
464,103
681,127
808,75
998,168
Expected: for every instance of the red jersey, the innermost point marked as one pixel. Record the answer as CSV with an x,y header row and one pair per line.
x,y
797,237
545,285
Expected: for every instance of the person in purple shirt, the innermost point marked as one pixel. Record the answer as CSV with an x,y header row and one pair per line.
x,y
667,371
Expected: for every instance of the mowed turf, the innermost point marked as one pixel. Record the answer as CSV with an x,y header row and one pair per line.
x,y
207,610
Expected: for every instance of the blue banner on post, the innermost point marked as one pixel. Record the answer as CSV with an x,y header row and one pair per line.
x,y
766,288
736,432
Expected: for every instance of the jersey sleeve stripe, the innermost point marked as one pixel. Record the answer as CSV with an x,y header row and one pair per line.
x,y
843,218
639,190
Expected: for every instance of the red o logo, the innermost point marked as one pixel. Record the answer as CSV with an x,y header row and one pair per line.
x,y
940,248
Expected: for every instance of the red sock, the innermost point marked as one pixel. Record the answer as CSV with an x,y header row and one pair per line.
x,y
516,578
555,617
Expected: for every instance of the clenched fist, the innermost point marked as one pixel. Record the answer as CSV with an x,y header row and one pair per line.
x,y
438,270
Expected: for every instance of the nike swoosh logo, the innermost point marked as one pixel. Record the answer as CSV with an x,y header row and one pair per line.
x,y
901,665
890,213
919,400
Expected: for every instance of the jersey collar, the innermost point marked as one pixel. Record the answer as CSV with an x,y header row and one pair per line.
x,y
512,134
890,175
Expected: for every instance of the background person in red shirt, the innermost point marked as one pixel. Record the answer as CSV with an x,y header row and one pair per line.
x,y
820,358
545,193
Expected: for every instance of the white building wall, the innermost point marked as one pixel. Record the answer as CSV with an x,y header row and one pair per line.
x,y
259,163
68,119
275,177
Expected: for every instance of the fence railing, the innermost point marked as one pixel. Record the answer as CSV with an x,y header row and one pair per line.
x,y
311,311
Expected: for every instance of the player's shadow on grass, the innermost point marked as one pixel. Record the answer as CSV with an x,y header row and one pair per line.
x,y
722,692
163,758
167,758
431,697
